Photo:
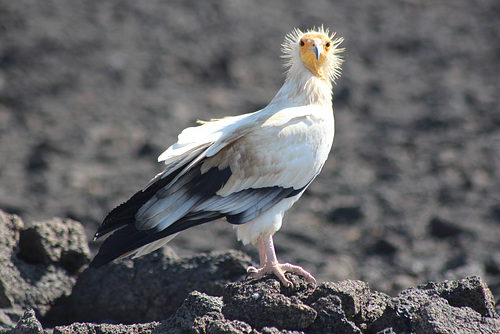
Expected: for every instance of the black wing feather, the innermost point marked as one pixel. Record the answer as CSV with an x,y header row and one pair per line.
x,y
125,212
128,238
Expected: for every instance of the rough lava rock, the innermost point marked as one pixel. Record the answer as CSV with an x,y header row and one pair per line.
x,y
55,241
268,303
148,288
28,324
39,273
162,293
263,306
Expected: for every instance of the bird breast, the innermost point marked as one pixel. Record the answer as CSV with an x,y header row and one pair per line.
x,y
285,151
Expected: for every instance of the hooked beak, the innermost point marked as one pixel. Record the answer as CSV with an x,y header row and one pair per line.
x,y
317,51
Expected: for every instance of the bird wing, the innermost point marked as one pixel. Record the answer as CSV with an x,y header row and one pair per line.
x,y
190,148
243,171
235,167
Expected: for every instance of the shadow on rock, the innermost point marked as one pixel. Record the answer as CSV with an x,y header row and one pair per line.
x,y
146,289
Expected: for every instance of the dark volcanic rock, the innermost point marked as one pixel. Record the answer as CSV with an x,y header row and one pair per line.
x,y
445,307
58,249
267,303
441,228
148,288
346,215
196,313
202,294
28,324
344,307
84,328
57,241
438,316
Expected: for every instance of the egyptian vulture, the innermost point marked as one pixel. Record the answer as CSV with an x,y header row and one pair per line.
x,y
248,169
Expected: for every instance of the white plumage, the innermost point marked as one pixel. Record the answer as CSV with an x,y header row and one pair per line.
x,y
249,169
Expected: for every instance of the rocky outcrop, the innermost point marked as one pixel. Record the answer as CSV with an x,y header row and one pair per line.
x,y
264,306
146,289
345,307
38,264
44,284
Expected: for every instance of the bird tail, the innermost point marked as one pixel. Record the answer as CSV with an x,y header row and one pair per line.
x,y
129,240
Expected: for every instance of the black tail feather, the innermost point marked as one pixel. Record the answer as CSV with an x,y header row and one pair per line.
x,y
125,213
129,238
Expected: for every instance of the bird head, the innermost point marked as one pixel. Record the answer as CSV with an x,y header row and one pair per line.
x,y
317,50
313,51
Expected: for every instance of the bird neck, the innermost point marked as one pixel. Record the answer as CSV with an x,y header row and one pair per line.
x,y
301,87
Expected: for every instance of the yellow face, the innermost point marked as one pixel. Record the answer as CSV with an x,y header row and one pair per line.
x,y
314,50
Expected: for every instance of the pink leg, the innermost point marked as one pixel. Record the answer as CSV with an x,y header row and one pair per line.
x,y
262,254
270,265
262,258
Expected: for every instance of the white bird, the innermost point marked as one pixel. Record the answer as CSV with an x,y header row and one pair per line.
x,y
249,169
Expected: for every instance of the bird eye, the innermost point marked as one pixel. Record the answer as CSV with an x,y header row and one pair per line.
x,y
328,44
302,43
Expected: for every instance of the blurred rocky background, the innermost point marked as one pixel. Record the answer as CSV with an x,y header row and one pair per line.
x,y
91,92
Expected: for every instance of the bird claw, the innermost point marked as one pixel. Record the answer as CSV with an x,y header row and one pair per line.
x,y
252,270
279,270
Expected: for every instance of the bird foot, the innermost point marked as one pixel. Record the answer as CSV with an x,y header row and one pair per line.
x,y
279,270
